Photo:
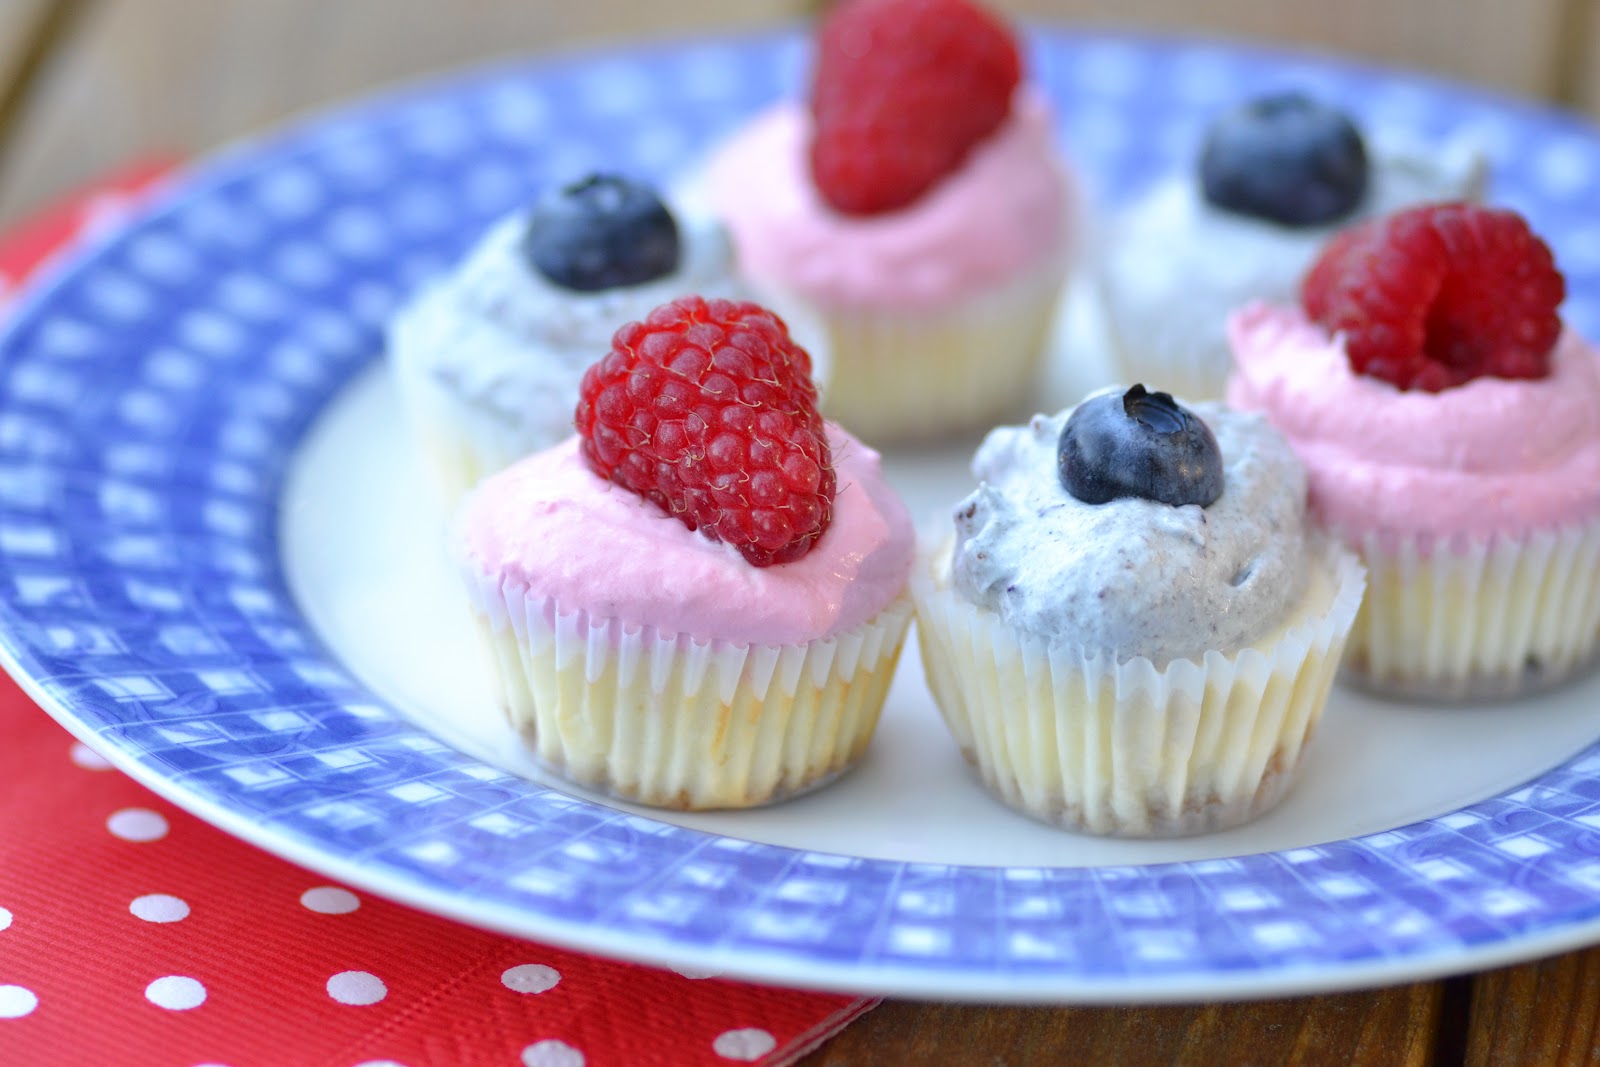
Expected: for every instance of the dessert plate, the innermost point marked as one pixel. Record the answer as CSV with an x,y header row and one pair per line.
x,y
217,568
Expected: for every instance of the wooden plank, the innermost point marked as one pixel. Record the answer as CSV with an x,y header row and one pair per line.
x,y
1539,1013
1380,1028
1583,65
1510,46
29,31
186,75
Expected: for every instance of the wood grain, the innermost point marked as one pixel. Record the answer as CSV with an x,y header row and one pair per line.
x,y
1507,45
29,32
186,75
1583,60
1540,1013
1384,1028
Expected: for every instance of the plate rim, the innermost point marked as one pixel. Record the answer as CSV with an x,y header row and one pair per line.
x,y
863,979
247,155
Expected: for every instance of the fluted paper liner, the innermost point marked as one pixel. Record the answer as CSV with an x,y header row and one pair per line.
x,y
1463,619
675,721
1127,749
900,375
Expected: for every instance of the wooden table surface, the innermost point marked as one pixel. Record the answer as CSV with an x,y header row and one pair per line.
x,y
88,84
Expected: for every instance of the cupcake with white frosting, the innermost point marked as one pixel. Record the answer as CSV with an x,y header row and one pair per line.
x,y
1276,177
1132,631
488,359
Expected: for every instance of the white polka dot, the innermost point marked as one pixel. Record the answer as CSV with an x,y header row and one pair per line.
x,y
15,1001
357,987
88,758
530,978
175,993
137,824
159,908
380,1063
5,918
330,900
748,1044
551,1053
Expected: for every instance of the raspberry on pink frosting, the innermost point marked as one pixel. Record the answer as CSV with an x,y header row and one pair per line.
x,y
1006,209
549,528
1492,457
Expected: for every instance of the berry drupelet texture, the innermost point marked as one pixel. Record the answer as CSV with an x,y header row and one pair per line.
x,y
708,410
1433,297
903,90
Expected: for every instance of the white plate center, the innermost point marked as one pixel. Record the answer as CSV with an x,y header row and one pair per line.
x,y
364,553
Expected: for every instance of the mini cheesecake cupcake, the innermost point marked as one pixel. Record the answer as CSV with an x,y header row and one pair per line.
x,y
699,600
1132,631
1451,430
488,360
918,207
1275,179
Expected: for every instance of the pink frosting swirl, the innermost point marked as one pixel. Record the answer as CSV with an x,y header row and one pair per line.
x,y
1491,457
550,528
1005,210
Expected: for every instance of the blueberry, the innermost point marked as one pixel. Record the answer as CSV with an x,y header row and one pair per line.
x,y
1286,159
601,233
1139,444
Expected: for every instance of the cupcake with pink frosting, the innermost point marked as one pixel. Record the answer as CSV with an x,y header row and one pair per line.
x,y
1450,427
918,206
699,600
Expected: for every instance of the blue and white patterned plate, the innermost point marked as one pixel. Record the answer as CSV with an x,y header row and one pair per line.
x,y
155,388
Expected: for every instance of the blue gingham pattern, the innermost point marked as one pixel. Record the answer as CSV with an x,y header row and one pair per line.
x,y
153,391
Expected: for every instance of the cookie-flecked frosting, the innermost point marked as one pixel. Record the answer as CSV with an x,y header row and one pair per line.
x,y
1134,577
1493,456
1174,265
549,529
497,336
1005,210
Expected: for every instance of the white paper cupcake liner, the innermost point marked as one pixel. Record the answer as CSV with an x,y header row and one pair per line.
x,y
904,375
1126,749
457,443
673,721
1189,364
1492,619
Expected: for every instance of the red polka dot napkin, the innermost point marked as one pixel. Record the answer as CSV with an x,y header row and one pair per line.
x,y
133,934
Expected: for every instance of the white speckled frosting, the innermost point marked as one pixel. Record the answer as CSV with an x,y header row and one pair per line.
x,y
1134,577
1174,266
509,348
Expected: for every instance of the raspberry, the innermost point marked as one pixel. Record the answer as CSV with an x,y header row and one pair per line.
x,y
1433,297
903,90
707,409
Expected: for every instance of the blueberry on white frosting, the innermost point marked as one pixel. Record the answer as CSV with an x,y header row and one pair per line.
x,y
602,232
1139,444
1287,159
1135,576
